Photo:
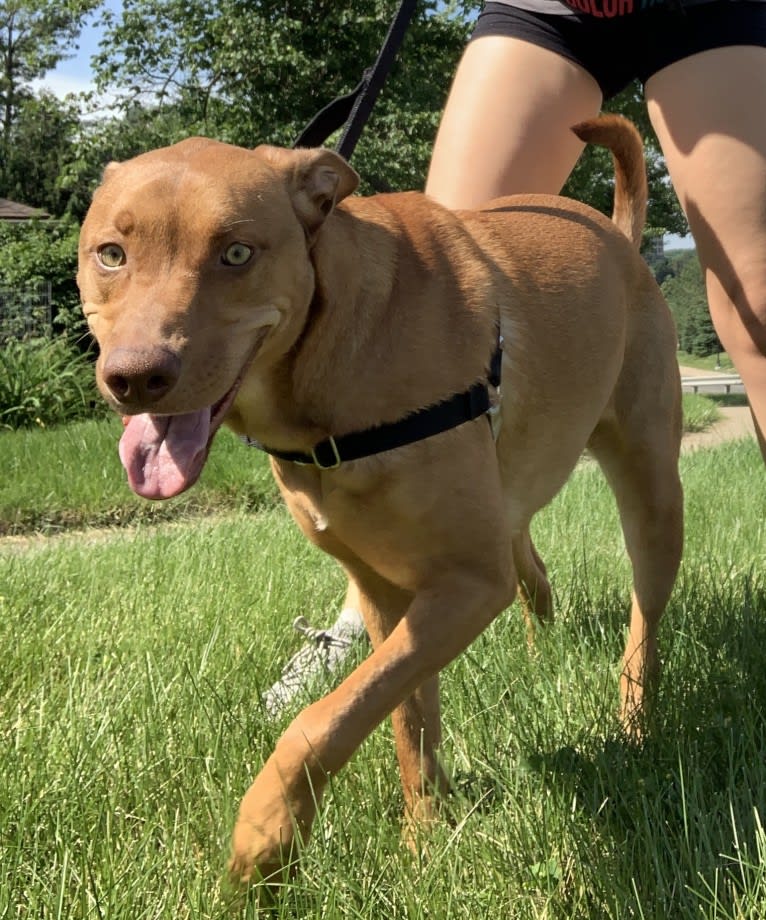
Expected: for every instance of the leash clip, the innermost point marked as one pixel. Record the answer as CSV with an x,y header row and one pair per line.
x,y
335,461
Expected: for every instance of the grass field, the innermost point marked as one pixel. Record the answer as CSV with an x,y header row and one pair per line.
x,y
71,477
134,656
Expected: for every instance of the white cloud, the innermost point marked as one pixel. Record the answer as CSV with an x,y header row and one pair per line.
x,y
62,85
672,241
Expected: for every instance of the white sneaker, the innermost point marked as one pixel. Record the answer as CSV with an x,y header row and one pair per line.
x,y
320,658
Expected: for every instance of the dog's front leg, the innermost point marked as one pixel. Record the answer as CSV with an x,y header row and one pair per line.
x,y
280,805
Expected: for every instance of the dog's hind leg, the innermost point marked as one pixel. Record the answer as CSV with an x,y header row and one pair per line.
x,y
534,588
642,469
416,721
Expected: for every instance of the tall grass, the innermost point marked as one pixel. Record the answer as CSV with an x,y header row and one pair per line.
x,y
700,412
43,382
134,660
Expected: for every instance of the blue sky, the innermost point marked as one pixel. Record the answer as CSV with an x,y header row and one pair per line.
x,y
73,75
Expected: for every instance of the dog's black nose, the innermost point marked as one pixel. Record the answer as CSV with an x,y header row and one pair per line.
x,y
140,378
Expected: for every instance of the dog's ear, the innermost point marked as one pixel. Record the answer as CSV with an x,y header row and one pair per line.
x,y
317,180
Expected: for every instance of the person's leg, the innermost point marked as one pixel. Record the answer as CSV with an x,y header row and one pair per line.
x,y
505,128
706,110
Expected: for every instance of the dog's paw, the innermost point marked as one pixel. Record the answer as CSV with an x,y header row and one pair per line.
x,y
418,822
260,856
638,693
274,822
265,840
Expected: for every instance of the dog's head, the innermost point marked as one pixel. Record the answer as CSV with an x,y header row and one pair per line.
x,y
194,270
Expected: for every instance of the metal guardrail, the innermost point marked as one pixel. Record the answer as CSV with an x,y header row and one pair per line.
x,y
713,382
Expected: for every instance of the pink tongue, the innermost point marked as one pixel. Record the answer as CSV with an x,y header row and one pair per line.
x,y
164,454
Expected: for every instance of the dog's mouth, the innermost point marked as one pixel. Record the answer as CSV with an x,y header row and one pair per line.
x,y
164,455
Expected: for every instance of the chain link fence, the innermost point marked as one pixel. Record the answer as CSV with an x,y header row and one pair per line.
x,y
25,312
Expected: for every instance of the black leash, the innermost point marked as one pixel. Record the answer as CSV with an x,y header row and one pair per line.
x,y
353,109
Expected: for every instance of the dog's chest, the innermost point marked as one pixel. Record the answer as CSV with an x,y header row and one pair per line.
x,y
310,515
313,519
318,505
347,513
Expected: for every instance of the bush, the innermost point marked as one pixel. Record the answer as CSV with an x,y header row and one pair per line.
x,y
43,382
45,252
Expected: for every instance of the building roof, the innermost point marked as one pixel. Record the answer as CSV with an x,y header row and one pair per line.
x,y
12,210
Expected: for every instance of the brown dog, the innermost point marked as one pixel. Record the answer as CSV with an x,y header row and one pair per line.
x,y
233,285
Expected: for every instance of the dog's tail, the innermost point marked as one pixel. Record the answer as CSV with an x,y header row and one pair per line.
x,y
621,136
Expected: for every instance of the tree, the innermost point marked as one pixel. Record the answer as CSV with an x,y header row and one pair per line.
x,y
34,36
254,71
42,143
684,291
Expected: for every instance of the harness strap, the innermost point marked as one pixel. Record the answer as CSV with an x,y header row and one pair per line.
x,y
424,423
354,108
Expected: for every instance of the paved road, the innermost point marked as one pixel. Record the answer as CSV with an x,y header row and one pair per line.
x,y
729,381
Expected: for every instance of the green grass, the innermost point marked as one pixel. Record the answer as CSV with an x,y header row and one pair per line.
x,y
130,721
720,362
71,477
44,382
700,412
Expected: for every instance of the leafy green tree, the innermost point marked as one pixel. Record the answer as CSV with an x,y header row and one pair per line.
x,y
684,291
42,144
34,36
706,341
253,72
660,266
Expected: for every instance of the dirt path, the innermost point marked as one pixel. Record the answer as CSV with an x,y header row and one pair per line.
x,y
735,422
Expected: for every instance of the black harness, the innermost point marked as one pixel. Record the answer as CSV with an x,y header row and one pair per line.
x,y
418,425
353,110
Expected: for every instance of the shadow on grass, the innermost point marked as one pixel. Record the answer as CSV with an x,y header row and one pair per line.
x,y
724,400
681,812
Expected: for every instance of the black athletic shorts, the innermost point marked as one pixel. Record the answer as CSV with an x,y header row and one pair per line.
x,y
619,50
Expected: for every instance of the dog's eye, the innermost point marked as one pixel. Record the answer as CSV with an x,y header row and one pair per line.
x,y
237,254
110,255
